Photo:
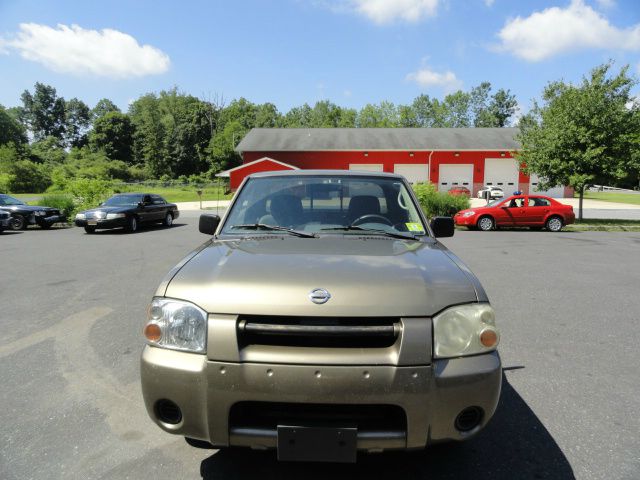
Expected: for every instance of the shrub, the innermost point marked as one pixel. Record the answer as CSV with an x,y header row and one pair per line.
x,y
436,203
6,179
62,202
29,177
89,192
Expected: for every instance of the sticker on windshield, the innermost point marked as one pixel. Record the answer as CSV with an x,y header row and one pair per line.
x,y
414,227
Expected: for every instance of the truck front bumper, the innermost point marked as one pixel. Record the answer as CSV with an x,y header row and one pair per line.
x,y
432,397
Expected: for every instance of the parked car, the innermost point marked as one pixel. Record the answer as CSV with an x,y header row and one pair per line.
x,y
5,219
535,211
23,215
494,192
323,318
128,211
457,191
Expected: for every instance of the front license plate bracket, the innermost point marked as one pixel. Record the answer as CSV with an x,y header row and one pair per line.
x,y
317,444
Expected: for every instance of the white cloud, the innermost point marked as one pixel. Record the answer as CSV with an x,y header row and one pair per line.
x,y
384,11
489,3
606,3
556,30
79,51
425,77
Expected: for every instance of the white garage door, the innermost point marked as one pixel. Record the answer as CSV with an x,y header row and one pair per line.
x,y
555,192
412,172
503,173
366,167
455,175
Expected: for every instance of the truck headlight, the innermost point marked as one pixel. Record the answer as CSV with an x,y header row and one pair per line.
x,y
465,330
80,216
177,325
111,216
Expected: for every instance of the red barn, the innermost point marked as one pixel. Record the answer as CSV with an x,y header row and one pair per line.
x,y
447,157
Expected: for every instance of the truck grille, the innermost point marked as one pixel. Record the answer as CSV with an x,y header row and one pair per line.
x,y
324,332
268,415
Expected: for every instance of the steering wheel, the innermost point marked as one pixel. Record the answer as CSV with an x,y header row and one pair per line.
x,y
370,216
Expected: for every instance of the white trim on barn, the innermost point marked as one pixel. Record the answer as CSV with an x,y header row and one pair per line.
x,y
413,172
226,173
367,167
502,173
553,192
455,175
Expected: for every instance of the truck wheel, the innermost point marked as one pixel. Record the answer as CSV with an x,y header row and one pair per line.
x,y
485,223
17,223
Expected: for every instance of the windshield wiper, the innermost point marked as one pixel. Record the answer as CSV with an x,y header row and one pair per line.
x,y
376,230
264,226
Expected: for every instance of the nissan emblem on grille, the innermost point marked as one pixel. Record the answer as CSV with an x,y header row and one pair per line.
x,y
319,296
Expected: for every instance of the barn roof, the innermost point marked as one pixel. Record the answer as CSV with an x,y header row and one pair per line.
x,y
226,173
345,139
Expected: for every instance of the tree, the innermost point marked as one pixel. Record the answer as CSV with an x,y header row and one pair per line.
x,y
223,146
11,131
77,119
103,107
113,134
384,115
43,112
149,137
502,107
583,134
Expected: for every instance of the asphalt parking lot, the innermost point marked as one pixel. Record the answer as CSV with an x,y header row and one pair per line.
x,y
72,307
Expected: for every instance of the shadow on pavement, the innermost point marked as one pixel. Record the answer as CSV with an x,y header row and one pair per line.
x,y
141,229
515,444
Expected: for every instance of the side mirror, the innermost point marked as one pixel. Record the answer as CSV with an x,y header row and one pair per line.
x,y
442,227
208,224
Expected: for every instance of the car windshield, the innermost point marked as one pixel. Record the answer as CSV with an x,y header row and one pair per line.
x,y
325,204
123,200
7,200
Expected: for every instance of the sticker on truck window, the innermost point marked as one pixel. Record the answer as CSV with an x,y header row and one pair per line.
x,y
414,227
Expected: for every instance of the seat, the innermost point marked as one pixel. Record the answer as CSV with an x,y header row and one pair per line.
x,y
362,205
286,211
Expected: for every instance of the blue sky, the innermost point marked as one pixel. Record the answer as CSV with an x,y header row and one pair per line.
x,y
289,52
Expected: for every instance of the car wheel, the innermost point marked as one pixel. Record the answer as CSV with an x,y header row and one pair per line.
x,y
485,223
17,223
554,224
168,220
132,224
90,229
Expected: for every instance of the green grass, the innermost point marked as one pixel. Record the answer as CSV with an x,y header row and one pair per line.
x,y
170,194
633,198
182,194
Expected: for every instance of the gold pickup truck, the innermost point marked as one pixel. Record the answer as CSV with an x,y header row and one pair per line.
x,y
322,318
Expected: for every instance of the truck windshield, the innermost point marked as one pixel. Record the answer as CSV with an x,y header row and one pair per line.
x,y
325,205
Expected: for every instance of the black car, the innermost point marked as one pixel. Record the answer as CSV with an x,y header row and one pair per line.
x,y
23,215
128,211
5,219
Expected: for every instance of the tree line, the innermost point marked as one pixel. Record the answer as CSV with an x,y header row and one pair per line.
x,y
576,134
48,141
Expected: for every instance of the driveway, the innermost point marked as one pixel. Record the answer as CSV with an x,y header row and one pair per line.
x,y
73,306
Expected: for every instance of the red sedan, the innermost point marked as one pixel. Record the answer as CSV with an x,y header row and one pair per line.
x,y
533,211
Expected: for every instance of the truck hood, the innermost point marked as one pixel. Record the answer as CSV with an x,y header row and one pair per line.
x,y
366,276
